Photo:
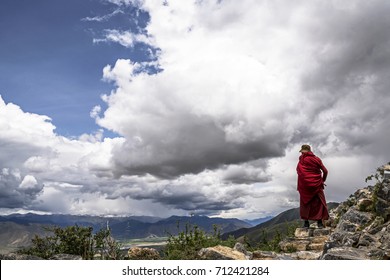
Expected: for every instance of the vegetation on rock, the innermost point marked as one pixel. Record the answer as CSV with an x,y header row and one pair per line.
x,y
74,240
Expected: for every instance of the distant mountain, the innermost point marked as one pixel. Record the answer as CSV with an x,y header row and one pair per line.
x,y
68,220
173,225
14,236
122,228
259,221
280,223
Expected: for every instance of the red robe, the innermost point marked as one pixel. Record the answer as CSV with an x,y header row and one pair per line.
x,y
311,177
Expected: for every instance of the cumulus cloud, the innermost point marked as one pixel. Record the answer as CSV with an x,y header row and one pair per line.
x,y
33,157
17,191
225,96
249,82
217,128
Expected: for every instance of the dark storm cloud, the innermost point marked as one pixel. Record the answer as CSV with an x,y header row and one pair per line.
x,y
195,147
15,191
347,87
247,173
352,43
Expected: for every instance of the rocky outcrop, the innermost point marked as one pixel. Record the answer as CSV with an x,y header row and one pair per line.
x,y
306,239
223,253
361,226
306,245
16,256
137,253
358,229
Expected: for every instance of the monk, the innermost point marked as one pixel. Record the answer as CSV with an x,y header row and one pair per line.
x,y
311,181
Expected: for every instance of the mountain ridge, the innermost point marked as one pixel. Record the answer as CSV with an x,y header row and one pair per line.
x,y
279,223
18,229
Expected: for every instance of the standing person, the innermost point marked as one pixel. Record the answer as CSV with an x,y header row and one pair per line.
x,y
311,178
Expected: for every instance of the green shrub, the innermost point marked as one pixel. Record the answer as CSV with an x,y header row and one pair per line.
x,y
269,241
186,245
74,240
379,178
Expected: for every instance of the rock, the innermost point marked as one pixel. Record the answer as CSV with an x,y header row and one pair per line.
x,y
303,232
306,239
379,254
264,255
269,255
346,226
317,243
357,218
358,229
321,232
383,236
241,248
376,225
221,253
285,257
308,255
367,239
382,206
346,253
292,245
315,247
363,230
137,253
365,204
66,257
14,256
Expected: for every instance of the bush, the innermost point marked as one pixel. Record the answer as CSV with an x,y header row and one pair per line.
x,y
269,241
186,245
74,240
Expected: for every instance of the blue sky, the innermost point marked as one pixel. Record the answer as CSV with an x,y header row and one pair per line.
x,y
49,59
143,107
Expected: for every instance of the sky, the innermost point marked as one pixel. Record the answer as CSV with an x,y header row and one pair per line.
x,y
145,107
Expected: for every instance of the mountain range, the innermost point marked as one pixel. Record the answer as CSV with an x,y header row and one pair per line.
x,y
16,230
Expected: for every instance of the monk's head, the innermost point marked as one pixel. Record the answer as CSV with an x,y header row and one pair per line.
x,y
305,148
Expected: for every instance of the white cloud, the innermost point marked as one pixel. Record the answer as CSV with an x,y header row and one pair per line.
x,y
124,38
95,111
251,82
16,192
29,182
218,129
104,17
126,2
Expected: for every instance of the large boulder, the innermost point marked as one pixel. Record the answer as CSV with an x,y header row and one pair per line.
x,y
221,253
346,253
138,253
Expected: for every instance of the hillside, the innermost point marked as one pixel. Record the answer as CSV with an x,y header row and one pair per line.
x,y
13,235
280,223
258,221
